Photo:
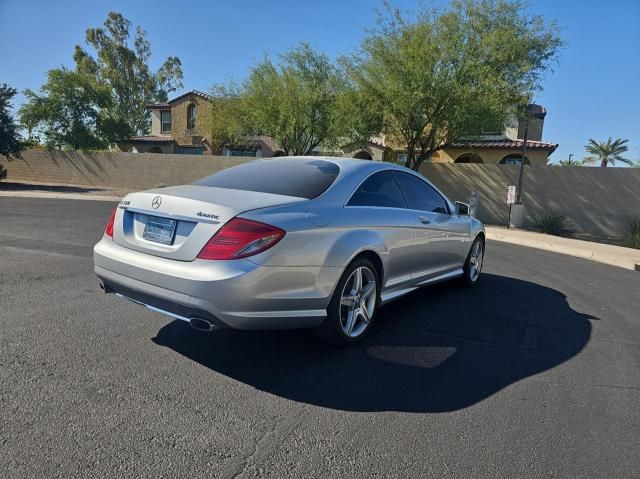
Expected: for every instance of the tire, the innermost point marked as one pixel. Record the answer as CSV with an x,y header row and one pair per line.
x,y
349,322
473,265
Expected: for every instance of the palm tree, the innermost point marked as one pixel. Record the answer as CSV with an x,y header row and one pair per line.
x,y
570,162
607,152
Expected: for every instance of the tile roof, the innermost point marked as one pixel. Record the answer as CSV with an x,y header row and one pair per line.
x,y
504,144
158,105
151,139
167,104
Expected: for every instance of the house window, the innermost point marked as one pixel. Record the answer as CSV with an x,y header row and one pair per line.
x,y
188,150
238,152
165,121
514,159
191,116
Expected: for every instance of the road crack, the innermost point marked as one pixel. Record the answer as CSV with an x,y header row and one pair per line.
x,y
253,454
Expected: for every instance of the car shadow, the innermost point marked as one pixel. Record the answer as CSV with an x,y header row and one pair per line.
x,y
438,349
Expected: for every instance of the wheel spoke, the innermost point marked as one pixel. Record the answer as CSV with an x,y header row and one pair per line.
x,y
348,301
364,314
357,280
368,290
351,321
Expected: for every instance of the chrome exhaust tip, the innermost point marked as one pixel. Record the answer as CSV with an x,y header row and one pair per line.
x,y
105,289
200,324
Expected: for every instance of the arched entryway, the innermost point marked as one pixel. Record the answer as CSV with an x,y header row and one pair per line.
x,y
363,155
514,159
155,149
469,158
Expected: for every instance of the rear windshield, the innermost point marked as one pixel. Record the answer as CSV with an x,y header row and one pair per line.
x,y
290,177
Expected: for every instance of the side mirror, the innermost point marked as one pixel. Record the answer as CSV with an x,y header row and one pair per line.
x,y
462,209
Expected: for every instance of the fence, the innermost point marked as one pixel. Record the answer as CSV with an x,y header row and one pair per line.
x,y
599,201
123,171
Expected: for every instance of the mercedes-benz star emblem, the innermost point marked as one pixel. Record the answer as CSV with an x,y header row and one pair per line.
x,y
156,202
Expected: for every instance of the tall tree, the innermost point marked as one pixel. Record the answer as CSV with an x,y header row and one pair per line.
x,y
442,74
294,100
71,112
11,143
124,67
226,121
607,152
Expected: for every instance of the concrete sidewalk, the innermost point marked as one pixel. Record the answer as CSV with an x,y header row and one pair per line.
x,y
37,189
60,196
628,258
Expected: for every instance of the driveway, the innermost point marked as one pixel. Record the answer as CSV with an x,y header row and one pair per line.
x,y
533,373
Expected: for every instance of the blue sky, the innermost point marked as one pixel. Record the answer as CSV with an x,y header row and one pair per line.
x,y
593,92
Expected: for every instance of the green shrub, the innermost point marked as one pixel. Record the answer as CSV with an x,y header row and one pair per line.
x,y
632,239
3,172
553,223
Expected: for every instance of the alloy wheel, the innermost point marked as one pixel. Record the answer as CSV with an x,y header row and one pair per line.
x,y
475,260
358,302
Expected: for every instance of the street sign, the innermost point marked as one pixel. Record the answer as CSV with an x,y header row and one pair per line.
x,y
511,195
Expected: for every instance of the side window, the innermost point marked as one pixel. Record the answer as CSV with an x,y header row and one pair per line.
x,y
419,195
380,189
165,121
191,116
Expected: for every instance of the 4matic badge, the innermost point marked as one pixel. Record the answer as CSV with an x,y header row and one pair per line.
x,y
207,215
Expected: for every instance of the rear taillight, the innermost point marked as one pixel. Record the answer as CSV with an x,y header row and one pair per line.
x,y
240,238
108,230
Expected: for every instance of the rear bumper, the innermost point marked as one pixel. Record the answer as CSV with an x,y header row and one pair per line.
x,y
237,294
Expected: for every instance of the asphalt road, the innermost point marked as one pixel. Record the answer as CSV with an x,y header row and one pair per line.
x,y
533,373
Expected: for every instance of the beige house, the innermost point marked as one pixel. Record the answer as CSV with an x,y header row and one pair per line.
x,y
179,126
491,147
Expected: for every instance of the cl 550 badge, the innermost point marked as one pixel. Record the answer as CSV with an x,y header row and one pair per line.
x,y
207,215
157,201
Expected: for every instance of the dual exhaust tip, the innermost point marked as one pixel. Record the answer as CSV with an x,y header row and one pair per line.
x,y
198,324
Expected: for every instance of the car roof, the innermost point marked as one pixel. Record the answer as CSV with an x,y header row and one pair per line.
x,y
352,164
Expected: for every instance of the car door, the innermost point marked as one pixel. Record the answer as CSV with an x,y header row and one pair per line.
x,y
379,206
441,235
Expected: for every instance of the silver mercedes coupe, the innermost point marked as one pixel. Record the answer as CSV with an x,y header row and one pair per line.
x,y
300,242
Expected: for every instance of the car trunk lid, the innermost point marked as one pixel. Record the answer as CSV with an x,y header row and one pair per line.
x,y
177,222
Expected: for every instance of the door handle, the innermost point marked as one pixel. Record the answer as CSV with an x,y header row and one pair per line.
x,y
424,220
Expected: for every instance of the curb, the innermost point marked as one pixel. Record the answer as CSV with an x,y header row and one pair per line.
x,y
613,259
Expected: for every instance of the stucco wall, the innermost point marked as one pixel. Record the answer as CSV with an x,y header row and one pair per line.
x,y
599,201
123,171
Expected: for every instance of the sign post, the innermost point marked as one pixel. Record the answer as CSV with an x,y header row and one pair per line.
x,y
474,200
511,199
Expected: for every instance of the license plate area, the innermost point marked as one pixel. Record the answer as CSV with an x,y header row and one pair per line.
x,y
160,230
